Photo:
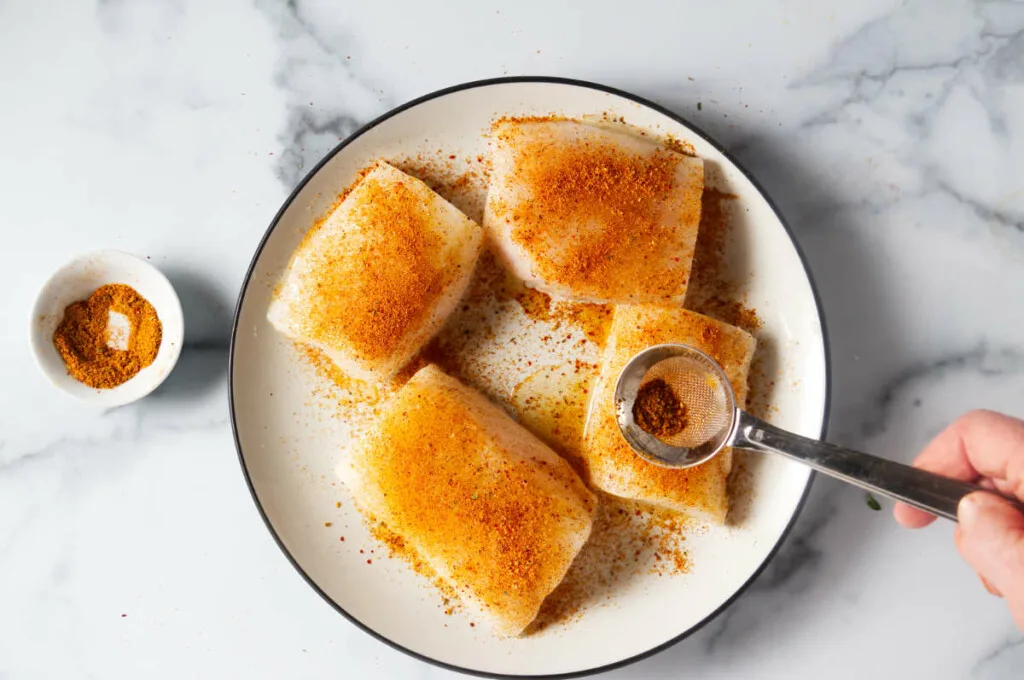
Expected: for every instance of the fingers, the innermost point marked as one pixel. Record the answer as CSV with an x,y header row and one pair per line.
x,y
911,517
989,587
991,539
979,444
987,448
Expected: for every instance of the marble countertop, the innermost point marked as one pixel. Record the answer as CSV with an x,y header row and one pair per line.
x,y
891,135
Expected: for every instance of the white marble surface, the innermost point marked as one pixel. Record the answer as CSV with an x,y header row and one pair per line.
x,y
890,134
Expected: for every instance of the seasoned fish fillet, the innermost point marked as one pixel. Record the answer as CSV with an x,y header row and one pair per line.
x,y
493,511
610,463
592,214
372,283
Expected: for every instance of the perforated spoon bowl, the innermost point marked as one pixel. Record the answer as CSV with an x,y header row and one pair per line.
x,y
714,422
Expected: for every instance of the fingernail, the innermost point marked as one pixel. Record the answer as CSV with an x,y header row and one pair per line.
x,y
967,512
989,587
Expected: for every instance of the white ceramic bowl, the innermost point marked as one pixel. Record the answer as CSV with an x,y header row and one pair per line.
x,y
76,280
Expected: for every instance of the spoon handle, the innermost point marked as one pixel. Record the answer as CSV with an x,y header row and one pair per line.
x,y
924,490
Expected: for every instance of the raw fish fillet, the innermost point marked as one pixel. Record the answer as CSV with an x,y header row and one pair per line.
x,y
377,279
495,513
593,214
611,465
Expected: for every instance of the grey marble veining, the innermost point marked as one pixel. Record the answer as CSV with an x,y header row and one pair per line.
x,y
318,118
890,134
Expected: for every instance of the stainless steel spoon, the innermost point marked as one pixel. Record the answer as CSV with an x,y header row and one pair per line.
x,y
714,422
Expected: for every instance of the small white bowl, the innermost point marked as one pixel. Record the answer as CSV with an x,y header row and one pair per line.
x,y
76,281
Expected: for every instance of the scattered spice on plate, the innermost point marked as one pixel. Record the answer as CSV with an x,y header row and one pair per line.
x,y
104,355
628,539
712,291
872,503
460,181
657,409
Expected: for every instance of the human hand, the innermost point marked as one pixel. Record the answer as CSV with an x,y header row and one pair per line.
x,y
986,448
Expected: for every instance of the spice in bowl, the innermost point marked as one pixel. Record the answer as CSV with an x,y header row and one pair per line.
x,y
108,338
658,411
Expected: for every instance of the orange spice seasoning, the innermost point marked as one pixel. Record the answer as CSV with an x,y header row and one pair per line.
x,y
371,301
657,409
88,344
623,191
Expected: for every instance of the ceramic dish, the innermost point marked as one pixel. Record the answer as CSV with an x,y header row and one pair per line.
x,y
289,441
75,281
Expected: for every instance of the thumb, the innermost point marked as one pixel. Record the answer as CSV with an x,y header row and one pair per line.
x,y
991,539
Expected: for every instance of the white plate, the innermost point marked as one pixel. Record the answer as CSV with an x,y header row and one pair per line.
x,y
288,442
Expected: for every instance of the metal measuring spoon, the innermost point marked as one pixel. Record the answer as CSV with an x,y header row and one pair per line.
x,y
714,422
